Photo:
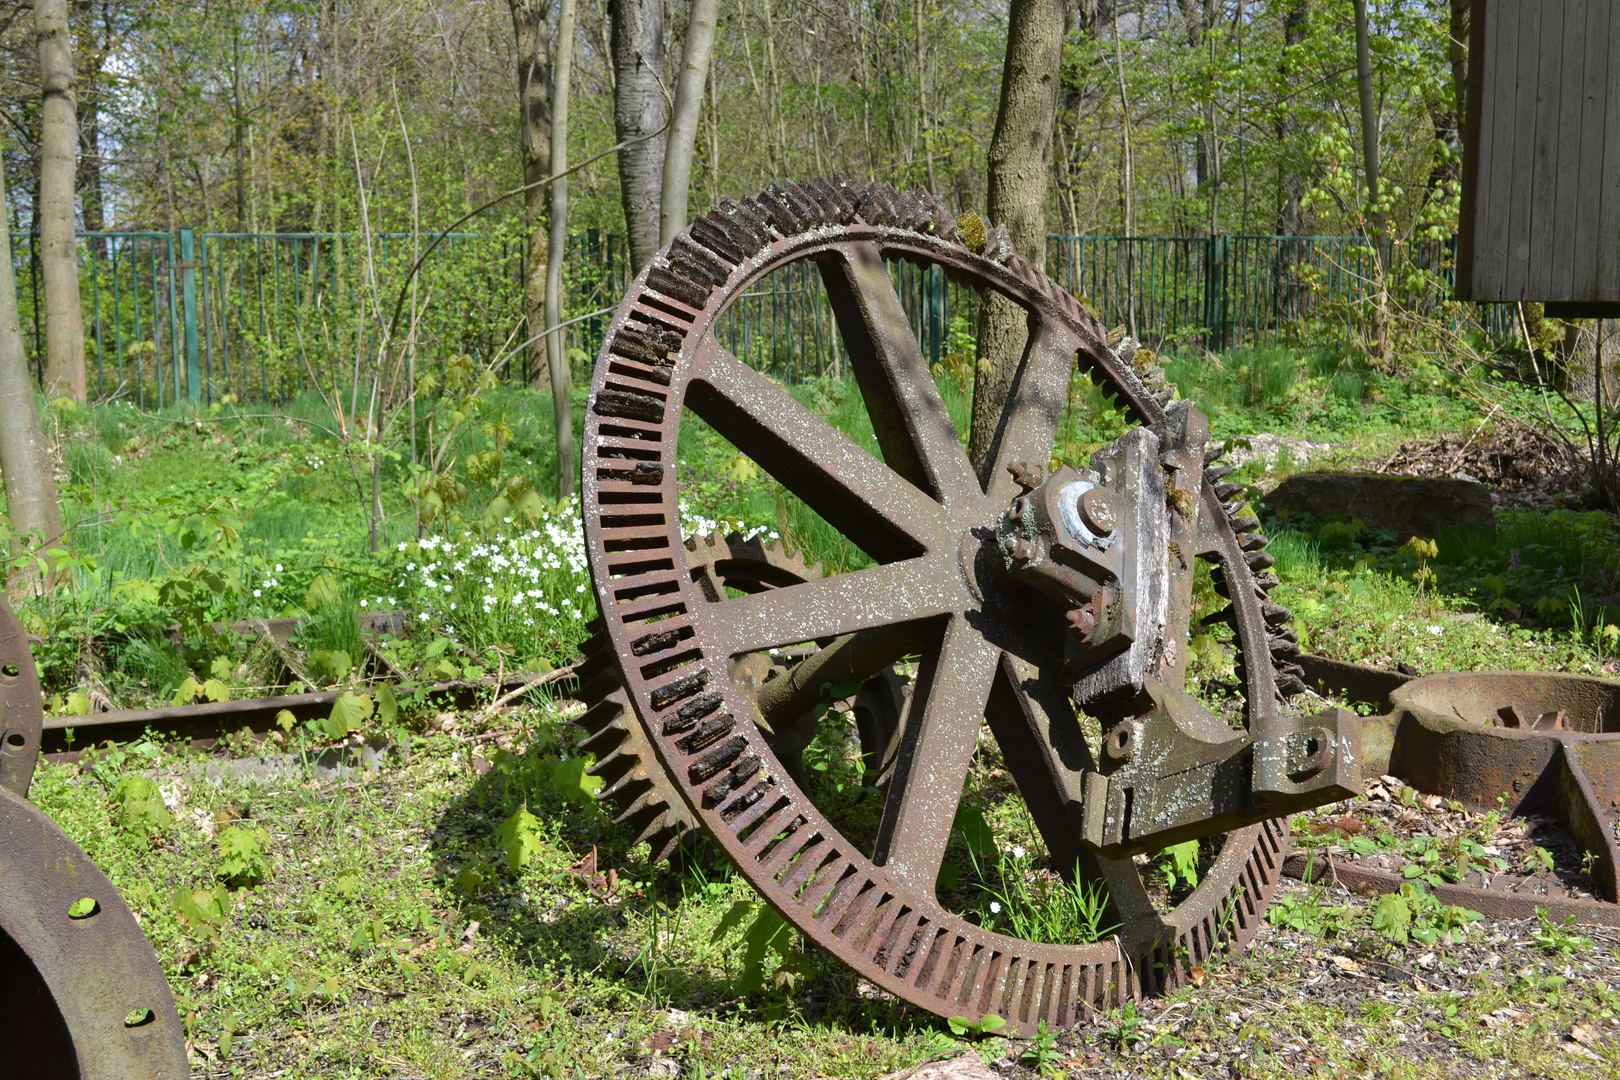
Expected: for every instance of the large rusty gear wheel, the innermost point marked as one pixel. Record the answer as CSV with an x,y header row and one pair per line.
x,y
928,521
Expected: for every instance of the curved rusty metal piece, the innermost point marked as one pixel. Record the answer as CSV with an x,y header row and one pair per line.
x,y
84,996
1543,743
927,519
20,707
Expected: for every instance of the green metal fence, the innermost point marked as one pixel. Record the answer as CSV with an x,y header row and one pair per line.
x,y
261,315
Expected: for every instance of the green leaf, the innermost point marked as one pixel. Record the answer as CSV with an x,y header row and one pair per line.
x,y
768,934
519,838
960,1025
245,854
203,910
324,592
387,705
285,720
349,712
186,692
1392,918
572,782
215,690
220,668
1183,860
78,704
976,831
140,805
949,875
347,883
732,919
990,1023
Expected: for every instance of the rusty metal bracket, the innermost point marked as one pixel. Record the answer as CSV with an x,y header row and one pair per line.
x,y
1179,773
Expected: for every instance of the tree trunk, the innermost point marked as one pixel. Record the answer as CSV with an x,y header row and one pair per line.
x,y
1290,204
1020,149
557,341
25,461
58,145
683,124
534,106
1369,153
638,108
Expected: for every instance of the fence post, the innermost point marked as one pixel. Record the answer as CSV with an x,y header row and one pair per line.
x,y
188,299
1214,287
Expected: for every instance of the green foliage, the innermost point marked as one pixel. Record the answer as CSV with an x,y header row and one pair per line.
x,y
1558,939
1042,1053
1413,912
1180,861
986,1025
1303,910
203,911
519,839
245,855
770,959
139,806
349,714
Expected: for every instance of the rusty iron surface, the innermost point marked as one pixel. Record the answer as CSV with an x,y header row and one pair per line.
x,y
1535,742
84,996
20,707
687,732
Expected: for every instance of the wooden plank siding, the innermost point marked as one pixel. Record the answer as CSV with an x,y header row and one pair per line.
x,y
1541,170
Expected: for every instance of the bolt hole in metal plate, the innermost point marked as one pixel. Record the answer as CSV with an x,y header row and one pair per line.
x,y
985,667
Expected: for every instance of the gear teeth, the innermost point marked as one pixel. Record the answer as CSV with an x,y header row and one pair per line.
x,y
1216,473
1266,580
1252,541
1225,491
1231,508
1260,560
1289,685
1284,651
712,234
1276,614
1286,634
1216,618
1244,525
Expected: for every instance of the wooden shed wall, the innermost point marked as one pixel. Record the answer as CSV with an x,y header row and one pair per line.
x,y
1541,169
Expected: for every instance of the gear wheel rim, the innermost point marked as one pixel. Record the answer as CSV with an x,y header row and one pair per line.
x,y
643,799
772,831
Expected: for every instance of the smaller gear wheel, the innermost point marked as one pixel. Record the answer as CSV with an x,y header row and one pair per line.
x,y
640,792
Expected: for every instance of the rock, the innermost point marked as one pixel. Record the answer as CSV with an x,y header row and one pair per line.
x,y
1407,505
1267,448
969,1066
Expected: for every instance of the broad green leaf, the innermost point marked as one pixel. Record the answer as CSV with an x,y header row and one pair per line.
x,y
519,838
140,804
186,692
1184,861
990,1023
949,875
347,883
215,690
387,705
349,712
976,831
1392,918
573,782
221,668
324,592
285,720
78,704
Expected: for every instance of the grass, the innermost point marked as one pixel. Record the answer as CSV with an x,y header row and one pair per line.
x,y
390,937
453,914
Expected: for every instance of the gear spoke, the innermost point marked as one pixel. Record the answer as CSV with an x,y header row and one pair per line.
x,y
914,429
875,507
830,607
940,734
1035,404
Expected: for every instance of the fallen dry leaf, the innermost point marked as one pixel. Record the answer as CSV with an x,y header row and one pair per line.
x,y
1584,1034
1348,966
1197,975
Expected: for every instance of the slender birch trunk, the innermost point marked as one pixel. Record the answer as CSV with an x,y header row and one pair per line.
x,y
683,124
557,341
639,109
534,105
